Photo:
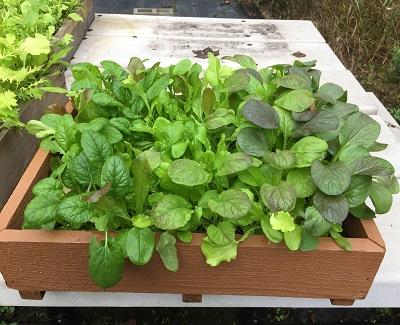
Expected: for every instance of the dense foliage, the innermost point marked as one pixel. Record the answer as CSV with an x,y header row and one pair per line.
x,y
228,152
26,50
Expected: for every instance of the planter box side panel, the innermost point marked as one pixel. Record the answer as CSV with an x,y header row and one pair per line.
x,y
57,261
77,29
17,147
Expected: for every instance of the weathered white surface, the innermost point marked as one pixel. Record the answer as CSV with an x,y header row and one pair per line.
x,y
205,28
385,291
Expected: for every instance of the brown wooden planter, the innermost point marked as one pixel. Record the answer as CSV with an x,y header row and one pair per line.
x,y
35,261
17,147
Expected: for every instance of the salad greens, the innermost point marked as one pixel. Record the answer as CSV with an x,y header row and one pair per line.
x,y
28,50
226,152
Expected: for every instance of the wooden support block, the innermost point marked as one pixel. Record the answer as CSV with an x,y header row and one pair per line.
x,y
342,302
193,298
32,295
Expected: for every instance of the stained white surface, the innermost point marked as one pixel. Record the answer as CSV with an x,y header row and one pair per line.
x,y
385,291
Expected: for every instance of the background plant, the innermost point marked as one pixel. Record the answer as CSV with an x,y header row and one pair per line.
x,y
233,152
28,50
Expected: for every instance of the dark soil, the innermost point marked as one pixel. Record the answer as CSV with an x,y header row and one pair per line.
x,y
194,316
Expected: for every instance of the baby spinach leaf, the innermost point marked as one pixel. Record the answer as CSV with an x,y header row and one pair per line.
x,y
231,204
156,88
359,129
389,181
374,166
42,209
221,234
219,118
75,210
167,250
291,81
95,146
293,238
261,114
331,179
216,254
253,176
116,172
252,141
322,122
237,81
184,236
281,197
349,154
309,149
140,244
235,162
187,172
208,101
295,100
171,212
181,67
332,90
301,181
48,186
112,134
308,242
243,60
358,190
381,197
103,99
333,208
284,159
83,170
106,262
363,212
314,224
273,235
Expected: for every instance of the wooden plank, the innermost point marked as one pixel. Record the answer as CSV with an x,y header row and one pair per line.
x,y
94,49
210,28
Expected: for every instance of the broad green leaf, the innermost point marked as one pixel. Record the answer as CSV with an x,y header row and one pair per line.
x,y
308,150
188,172
221,117
390,182
308,242
231,204
381,197
282,221
48,186
359,129
181,67
141,221
273,235
295,100
331,90
252,141
333,208
221,234
216,254
208,101
140,244
286,121
83,170
315,224
166,248
348,154
95,146
103,99
42,209
106,262
156,88
261,114
253,176
75,210
116,172
243,60
293,238
112,134
281,159
378,147
35,45
322,122
331,179
358,190
273,176
281,197
291,81
171,212
234,163
237,81
184,236
341,109
373,166
362,212
65,132
301,180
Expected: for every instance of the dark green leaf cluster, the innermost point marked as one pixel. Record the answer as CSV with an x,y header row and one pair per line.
x,y
226,152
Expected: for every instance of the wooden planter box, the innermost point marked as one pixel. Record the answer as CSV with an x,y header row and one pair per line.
x,y
35,261
17,147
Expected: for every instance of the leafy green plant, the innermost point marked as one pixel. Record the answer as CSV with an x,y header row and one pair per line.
x,y
229,153
28,51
